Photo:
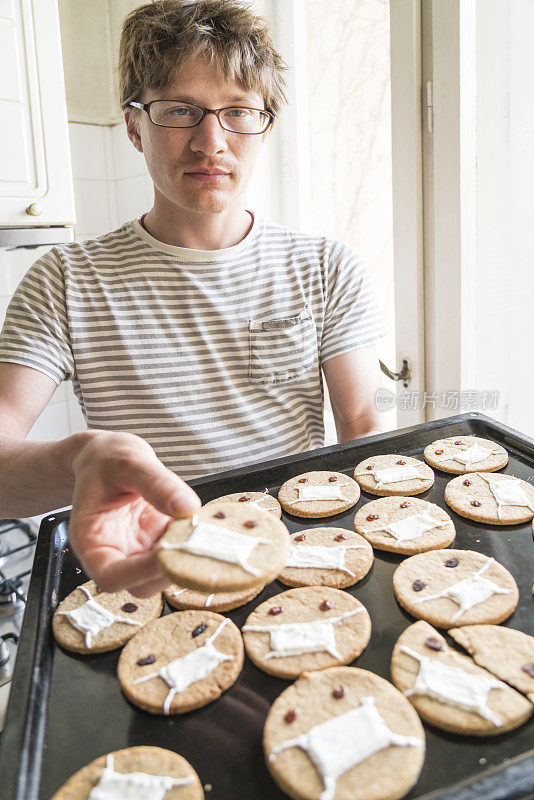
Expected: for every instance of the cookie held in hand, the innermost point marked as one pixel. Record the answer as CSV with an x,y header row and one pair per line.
x,y
226,547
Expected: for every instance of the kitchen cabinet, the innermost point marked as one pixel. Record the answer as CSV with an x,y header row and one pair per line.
x,y
35,170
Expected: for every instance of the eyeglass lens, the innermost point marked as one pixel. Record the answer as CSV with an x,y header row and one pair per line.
x,y
183,115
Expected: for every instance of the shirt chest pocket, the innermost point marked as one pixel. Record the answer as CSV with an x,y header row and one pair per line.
x,y
282,350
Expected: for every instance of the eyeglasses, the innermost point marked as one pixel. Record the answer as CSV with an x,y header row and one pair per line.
x,y
178,114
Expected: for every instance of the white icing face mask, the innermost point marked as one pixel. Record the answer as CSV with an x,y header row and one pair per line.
x,y
472,455
468,592
394,474
133,785
507,492
342,742
411,527
454,686
320,557
297,638
220,543
319,493
193,667
91,618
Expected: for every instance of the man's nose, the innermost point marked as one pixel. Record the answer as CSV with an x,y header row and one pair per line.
x,y
208,137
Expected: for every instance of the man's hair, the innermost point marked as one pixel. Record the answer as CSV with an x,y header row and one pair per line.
x,y
158,39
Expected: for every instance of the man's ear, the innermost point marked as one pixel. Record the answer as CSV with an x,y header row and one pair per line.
x,y
132,129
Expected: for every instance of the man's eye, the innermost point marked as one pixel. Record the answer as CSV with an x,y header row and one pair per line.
x,y
178,111
237,112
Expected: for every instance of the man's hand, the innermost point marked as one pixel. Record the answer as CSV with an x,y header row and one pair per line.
x,y
123,499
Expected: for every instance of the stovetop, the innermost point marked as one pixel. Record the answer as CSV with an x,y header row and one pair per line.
x,y
17,548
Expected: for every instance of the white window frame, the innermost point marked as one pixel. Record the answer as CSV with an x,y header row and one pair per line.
x,y
449,197
407,178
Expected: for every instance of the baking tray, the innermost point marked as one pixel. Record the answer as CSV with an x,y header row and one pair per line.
x,y
65,710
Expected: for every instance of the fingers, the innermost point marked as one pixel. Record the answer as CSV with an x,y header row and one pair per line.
x,y
113,571
164,490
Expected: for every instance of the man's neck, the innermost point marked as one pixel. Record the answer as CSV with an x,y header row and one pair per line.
x,y
198,231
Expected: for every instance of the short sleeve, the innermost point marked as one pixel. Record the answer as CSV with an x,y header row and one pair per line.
x,y
352,317
35,331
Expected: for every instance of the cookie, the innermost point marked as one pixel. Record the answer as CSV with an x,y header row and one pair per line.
x,y
326,557
183,599
406,525
461,454
118,774
306,629
505,652
449,691
224,548
393,475
301,495
91,621
343,732
455,587
495,499
180,662
261,499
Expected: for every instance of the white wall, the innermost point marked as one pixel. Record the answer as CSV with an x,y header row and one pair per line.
x,y
111,186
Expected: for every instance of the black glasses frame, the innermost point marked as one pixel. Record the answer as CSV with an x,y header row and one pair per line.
x,y
205,112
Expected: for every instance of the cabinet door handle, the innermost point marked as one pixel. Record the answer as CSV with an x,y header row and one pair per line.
x,y
34,210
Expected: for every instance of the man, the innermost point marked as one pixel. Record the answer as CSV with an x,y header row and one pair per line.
x,y
194,337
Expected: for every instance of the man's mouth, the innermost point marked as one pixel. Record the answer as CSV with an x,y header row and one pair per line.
x,y
207,171
207,175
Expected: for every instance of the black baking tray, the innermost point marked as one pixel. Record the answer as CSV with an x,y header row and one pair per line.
x,y
65,710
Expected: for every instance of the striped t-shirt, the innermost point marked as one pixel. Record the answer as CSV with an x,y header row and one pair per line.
x,y
214,357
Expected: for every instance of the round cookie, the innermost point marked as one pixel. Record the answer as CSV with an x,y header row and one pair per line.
x,y
183,599
358,711
281,626
480,454
342,490
449,691
169,641
381,522
169,769
505,652
483,590
476,495
92,629
350,557
261,499
393,475
227,531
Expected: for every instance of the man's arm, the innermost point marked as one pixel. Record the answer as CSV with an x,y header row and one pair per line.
x,y
36,476
352,379
122,495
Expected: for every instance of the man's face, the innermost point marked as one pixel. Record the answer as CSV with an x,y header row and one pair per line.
x,y
176,157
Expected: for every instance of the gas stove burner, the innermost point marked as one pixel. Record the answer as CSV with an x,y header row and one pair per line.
x,y
11,596
6,662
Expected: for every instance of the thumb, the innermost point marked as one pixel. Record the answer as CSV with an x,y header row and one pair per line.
x,y
163,489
